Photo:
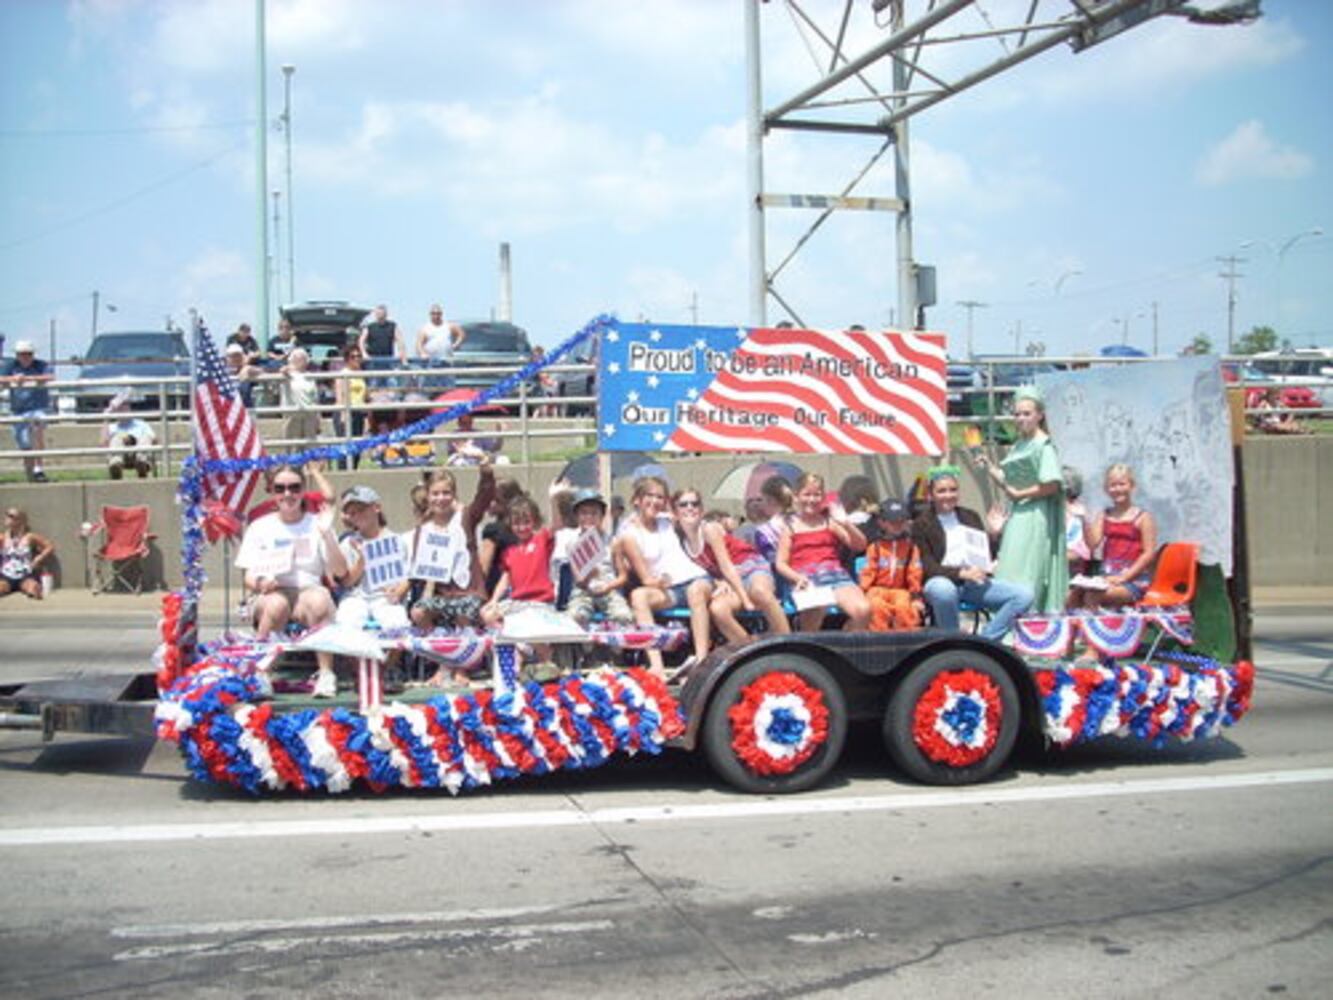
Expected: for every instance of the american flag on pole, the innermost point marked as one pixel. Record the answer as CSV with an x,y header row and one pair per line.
x,y
696,388
223,428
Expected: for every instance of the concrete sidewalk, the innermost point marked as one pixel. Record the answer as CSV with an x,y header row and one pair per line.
x,y
73,603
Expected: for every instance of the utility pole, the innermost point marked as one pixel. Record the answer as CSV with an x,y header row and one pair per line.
x,y
1018,338
970,305
96,295
1154,329
1231,274
261,325
53,354
276,257
287,70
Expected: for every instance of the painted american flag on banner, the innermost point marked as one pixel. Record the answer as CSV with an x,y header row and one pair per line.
x,y
690,388
223,427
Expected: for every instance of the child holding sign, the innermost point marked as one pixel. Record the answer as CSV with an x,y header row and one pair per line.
x,y
377,578
597,575
443,557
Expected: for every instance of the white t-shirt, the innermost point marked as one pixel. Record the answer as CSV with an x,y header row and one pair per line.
x,y
294,554
662,551
953,539
439,342
389,559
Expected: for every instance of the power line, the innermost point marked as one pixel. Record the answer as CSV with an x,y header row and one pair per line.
x,y
121,202
56,133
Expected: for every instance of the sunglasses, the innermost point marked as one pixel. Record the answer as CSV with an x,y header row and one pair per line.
x,y
287,487
688,503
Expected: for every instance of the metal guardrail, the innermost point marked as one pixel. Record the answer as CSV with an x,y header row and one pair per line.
x,y
525,403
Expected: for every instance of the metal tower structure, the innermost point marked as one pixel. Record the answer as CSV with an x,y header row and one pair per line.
x,y
935,50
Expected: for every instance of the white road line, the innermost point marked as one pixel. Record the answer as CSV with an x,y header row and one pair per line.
x,y
278,945
726,810
268,926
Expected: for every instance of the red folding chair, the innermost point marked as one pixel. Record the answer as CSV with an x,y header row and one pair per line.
x,y
121,557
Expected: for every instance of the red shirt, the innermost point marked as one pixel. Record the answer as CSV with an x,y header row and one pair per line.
x,y
529,567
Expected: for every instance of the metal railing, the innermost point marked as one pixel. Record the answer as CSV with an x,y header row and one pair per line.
x,y
984,401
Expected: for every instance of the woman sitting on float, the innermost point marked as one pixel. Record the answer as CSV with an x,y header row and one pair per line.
x,y
286,555
955,557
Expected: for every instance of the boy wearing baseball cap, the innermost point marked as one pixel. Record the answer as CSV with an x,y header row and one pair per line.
x,y
377,560
892,577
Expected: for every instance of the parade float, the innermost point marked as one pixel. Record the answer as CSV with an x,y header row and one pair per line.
x,y
771,713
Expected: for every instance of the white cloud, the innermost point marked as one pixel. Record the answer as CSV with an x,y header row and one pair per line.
x,y
1250,153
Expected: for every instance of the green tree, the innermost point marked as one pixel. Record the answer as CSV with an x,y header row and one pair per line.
x,y
1201,344
1260,338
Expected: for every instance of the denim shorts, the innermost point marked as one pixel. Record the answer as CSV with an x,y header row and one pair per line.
x,y
24,428
678,594
751,568
832,575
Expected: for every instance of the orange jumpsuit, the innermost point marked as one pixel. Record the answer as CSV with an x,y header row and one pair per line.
x,y
892,579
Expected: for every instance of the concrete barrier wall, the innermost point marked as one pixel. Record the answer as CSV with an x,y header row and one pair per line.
x,y
1289,486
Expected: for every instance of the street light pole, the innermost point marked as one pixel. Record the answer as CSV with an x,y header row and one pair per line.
x,y
971,305
287,70
262,125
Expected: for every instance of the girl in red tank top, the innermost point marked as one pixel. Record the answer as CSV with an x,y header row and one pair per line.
x,y
809,554
1128,536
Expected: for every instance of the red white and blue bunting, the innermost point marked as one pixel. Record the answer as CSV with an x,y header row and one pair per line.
x,y
454,742
1149,701
1114,634
779,722
958,717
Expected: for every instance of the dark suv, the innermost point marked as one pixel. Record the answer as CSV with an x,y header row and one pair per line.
x,y
139,354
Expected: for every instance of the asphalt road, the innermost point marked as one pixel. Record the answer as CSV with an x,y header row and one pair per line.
x,y
1111,870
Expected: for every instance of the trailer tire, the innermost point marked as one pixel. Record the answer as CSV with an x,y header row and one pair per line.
x,y
954,719
776,724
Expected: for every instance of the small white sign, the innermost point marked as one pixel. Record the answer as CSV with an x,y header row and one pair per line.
x,y
586,553
274,560
813,597
438,557
975,547
386,561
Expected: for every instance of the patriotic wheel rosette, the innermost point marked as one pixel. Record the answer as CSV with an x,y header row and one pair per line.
x,y
958,718
778,724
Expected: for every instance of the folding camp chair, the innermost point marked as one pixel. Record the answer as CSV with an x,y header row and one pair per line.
x,y
121,556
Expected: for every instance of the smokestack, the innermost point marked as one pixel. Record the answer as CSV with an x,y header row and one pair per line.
x,y
506,310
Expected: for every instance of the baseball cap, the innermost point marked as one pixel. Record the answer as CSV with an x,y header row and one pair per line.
x,y
588,496
360,494
235,349
24,347
893,510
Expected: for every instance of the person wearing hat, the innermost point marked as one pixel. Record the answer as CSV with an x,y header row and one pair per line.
x,y
243,373
376,580
892,577
597,574
29,398
129,436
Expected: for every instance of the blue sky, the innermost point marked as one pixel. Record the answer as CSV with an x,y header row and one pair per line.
x,y
605,142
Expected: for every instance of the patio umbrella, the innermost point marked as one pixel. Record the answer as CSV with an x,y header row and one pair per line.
x,y
582,471
745,480
453,397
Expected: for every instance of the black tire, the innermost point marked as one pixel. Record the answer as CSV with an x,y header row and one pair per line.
x,y
923,762
718,729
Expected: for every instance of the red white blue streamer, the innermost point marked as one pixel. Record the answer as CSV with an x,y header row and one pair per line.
x,y
1149,701
1117,635
453,742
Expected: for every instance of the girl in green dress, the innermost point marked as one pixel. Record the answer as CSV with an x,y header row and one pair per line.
x,y
1032,549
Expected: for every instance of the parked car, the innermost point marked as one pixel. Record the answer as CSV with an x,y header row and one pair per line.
x,y
489,343
960,380
1002,379
1257,382
579,383
324,324
135,354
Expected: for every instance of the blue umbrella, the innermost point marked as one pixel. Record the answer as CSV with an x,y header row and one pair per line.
x,y
1122,351
582,471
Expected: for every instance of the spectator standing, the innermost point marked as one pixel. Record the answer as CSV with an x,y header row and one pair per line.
x,y
244,374
282,344
436,342
246,340
132,438
350,398
381,342
30,400
22,555
300,394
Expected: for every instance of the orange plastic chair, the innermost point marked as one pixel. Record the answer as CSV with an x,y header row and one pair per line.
x,y
1174,579
121,557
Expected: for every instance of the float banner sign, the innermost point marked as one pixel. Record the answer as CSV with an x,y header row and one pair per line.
x,y
708,388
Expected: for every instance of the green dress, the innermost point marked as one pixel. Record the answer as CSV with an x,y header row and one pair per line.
x,y
1032,550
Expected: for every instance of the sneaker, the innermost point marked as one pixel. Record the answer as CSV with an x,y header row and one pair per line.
x,y
39,476
326,685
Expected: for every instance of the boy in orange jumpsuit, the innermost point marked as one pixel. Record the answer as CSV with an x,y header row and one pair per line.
x,y
892,576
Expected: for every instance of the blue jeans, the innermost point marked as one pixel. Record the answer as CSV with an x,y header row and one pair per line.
x,y
1004,599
